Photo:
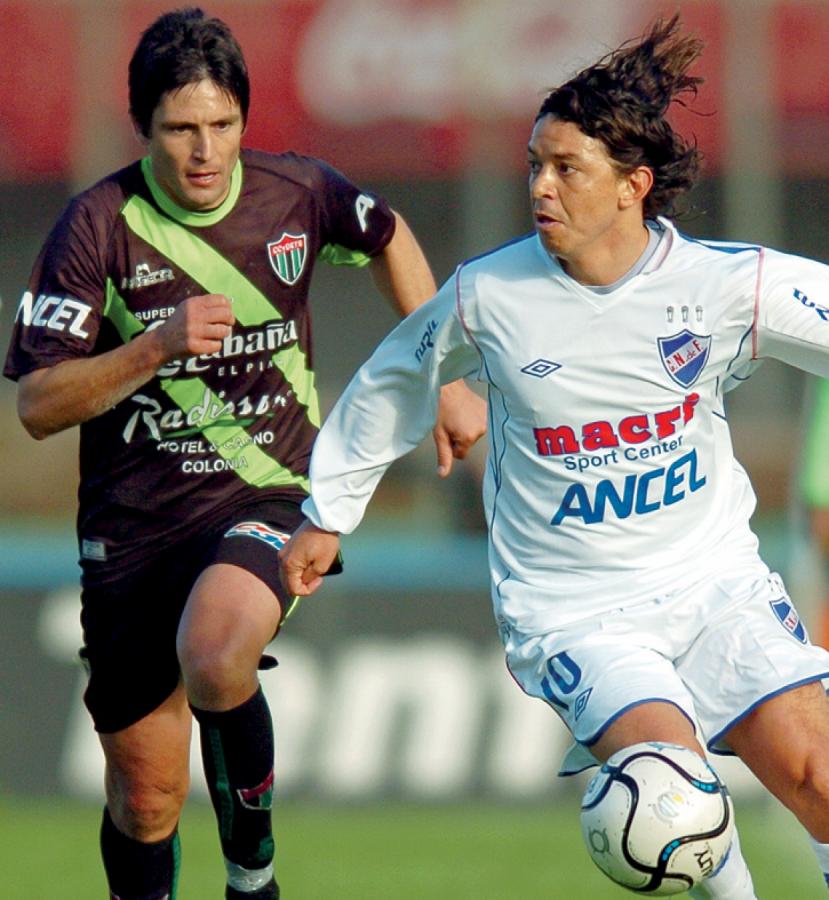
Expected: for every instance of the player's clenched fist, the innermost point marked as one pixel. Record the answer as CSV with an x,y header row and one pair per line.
x,y
306,557
199,325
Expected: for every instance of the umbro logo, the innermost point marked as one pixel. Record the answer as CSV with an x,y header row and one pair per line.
x,y
581,702
541,368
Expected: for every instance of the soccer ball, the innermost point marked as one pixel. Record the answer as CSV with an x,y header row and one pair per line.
x,y
656,819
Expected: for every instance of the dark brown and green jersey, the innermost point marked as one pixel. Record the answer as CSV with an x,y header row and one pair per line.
x,y
208,434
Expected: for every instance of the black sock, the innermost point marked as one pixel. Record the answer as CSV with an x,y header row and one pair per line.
x,y
237,752
136,870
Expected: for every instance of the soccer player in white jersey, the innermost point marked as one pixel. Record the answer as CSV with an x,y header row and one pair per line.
x,y
626,582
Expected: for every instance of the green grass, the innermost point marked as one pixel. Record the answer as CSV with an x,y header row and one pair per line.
x,y
469,852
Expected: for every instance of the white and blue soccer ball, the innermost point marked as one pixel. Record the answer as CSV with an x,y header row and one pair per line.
x,y
656,818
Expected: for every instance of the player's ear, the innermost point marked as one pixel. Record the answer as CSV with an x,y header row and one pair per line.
x,y
635,186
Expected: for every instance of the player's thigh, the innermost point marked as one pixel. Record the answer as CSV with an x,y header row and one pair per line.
x,y
753,648
607,689
236,605
129,651
239,599
229,611
147,769
785,739
252,542
648,721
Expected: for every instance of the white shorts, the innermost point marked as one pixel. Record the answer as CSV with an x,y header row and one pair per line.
x,y
716,650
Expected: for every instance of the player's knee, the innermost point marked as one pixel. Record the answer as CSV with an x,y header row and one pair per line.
x,y
212,674
147,813
815,779
805,790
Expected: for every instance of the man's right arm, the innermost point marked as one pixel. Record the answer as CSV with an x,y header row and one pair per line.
x,y
57,397
386,410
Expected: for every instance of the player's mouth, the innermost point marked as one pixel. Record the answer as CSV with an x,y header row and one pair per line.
x,y
203,179
544,221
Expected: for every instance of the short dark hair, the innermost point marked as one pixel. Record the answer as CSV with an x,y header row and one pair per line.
x,y
622,99
183,47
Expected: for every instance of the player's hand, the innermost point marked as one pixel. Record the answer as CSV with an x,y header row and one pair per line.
x,y
198,326
306,557
460,423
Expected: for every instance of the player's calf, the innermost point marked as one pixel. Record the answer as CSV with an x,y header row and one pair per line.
x,y
237,752
136,870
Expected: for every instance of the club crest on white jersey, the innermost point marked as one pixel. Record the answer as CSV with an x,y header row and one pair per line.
x,y
684,355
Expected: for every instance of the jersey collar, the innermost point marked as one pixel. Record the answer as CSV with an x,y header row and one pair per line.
x,y
188,216
661,238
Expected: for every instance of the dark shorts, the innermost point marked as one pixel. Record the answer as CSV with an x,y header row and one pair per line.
x,y
129,626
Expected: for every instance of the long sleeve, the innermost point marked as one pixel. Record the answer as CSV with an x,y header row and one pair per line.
x,y
792,323
387,409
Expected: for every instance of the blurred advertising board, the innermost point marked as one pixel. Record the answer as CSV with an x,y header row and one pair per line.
x,y
382,88
391,683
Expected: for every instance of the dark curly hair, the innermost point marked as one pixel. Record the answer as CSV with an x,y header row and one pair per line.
x,y
622,99
179,48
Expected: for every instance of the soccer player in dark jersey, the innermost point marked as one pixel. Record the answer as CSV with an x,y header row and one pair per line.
x,y
167,315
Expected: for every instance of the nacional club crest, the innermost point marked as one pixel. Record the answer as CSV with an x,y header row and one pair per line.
x,y
684,355
287,256
789,619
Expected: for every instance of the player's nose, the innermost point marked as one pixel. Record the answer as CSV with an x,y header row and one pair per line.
x,y
543,185
202,145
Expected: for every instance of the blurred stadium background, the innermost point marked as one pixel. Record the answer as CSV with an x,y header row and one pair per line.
x,y
391,687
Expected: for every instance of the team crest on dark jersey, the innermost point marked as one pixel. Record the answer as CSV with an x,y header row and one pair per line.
x,y
684,355
287,256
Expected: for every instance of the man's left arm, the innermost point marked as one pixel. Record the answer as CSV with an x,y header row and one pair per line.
x,y
402,274
792,312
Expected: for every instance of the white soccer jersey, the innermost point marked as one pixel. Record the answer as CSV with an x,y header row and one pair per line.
x,y
610,473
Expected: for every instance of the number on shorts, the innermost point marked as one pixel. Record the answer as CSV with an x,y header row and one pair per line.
x,y
564,674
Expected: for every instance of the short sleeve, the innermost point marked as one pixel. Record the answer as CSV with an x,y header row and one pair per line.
x,y
357,224
59,314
